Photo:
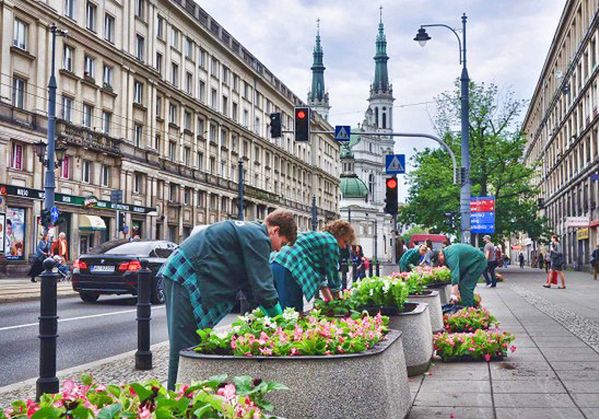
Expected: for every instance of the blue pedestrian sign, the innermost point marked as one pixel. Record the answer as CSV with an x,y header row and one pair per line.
x,y
54,213
395,164
342,132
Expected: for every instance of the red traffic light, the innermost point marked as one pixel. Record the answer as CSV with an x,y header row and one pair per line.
x,y
391,183
301,114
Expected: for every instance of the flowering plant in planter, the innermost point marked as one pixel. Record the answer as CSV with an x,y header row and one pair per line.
x,y
289,334
434,276
469,319
342,306
416,285
482,344
380,293
243,397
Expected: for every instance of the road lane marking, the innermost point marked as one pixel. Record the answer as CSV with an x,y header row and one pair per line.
x,y
91,316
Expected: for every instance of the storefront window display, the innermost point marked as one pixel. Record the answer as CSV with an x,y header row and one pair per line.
x,y
14,238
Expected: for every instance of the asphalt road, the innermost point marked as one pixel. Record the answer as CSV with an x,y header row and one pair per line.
x,y
87,332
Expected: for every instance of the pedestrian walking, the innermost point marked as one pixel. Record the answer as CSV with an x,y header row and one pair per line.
x,y
42,251
489,251
521,260
359,271
466,264
60,247
310,265
541,260
204,275
595,262
557,262
411,258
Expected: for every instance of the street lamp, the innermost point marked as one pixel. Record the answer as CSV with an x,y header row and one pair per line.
x,y
40,152
422,37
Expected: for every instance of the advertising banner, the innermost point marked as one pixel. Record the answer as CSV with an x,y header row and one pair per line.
x,y
14,238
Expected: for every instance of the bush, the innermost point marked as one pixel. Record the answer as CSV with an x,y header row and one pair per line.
x,y
482,344
469,320
380,292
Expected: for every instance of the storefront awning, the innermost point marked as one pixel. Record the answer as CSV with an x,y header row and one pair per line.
x,y
91,223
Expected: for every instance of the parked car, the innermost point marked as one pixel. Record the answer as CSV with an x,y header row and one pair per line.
x,y
114,271
436,239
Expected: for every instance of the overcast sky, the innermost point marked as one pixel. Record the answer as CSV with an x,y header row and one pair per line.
x,y
508,41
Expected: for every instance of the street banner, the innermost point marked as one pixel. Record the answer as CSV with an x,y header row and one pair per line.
x,y
482,215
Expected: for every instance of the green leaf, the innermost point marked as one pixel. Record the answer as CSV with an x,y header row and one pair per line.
x,y
142,392
82,412
86,379
110,412
47,412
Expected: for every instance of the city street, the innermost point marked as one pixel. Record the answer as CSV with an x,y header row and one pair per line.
x,y
87,332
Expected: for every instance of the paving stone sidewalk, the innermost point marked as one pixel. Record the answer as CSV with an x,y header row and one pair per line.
x,y
22,289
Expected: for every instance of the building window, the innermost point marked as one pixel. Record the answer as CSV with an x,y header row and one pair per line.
x,y
172,192
89,66
86,171
186,156
202,91
138,183
214,64
174,38
235,112
187,120
225,104
138,131
189,48
69,8
138,92
236,83
159,62
16,161
175,74
200,127
88,113
20,32
140,8
172,150
139,47
200,160
189,83
107,76
90,16
109,28
67,58
65,168
18,92
160,27
202,58
172,114
159,106
225,75
67,108
213,100
246,118
105,175
106,120
212,164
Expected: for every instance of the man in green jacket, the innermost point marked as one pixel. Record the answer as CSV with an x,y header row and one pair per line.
x,y
466,264
312,263
204,275
411,258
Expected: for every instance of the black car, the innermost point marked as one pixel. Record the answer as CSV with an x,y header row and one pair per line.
x,y
114,271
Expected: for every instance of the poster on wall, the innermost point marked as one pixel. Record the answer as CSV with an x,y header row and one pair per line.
x,y
2,231
14,238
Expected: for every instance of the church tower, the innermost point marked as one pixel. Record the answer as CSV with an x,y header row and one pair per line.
x,y
318,98
381,92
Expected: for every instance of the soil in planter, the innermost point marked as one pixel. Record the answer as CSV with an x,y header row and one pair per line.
x,y
420,294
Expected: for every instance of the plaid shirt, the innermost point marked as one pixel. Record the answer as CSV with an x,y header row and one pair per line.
x,y
312,260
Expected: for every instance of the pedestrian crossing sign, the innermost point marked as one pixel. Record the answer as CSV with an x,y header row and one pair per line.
x,y
342,132
395,164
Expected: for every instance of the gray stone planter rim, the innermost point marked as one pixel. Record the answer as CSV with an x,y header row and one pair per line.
x,y
380,347
389,311
438,285
427,293
419,309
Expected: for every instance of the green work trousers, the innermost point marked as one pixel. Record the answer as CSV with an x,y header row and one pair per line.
x,y
468,283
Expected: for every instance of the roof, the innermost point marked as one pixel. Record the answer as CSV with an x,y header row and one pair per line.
x,y
353,187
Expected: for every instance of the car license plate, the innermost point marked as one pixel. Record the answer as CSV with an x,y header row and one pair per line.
x,y
100,268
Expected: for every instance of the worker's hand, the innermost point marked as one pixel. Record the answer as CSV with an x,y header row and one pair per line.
x,y
326,294
272,311
455,294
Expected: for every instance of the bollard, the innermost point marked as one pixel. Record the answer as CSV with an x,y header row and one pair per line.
x,y
370,270
378,268
143,356
48,328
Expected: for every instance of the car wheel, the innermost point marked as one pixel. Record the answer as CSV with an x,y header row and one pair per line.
x,y
158,291
89,297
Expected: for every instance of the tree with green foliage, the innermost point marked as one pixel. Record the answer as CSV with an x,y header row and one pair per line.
x,y
496,166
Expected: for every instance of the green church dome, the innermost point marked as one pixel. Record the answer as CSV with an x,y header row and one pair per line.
x,y
353,187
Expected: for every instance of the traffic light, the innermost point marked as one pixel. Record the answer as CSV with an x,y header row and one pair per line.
x,y
275,125
121,221
46,218
391,195
301,129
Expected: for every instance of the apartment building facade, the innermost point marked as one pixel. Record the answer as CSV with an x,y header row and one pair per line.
x,y
562,127
156,99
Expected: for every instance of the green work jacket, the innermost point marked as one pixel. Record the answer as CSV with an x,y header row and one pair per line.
x,y
411,257
462,259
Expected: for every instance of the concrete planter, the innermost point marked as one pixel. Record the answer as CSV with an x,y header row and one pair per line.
x,y
369,384
444,292
432,298
417,334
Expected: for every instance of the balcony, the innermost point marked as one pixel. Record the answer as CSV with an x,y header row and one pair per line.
x,y
87,138
23,118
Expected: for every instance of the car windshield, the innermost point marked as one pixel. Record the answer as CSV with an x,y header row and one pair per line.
x,y
133,248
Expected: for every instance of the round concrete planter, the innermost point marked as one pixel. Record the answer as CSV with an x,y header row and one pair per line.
x,y
417,334
444,292
432,298
372,384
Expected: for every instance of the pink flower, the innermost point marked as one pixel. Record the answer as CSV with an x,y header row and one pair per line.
x,y
487,357
145,412
294,351
228,392
513,348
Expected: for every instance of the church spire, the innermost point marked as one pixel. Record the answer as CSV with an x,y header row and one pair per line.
x,y
317,97
381,75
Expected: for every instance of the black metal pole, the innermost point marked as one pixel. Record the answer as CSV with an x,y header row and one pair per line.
x,y
376,251
240,191
143,356
465,143
314,214
48,328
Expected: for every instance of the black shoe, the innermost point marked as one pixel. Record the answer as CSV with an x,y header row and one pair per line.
x,y
33,280
493,286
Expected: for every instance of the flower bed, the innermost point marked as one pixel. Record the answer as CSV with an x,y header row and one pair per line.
x,y
434,276
482,344
243,397
469,320
380,293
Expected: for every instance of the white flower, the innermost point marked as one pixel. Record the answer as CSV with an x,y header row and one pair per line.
x,y
290,314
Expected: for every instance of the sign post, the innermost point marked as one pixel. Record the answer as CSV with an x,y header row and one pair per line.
x,y
482,215
395,164
116,196
342,133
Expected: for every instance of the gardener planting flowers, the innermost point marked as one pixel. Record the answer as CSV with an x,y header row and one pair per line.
x,y
466,264
411,258
204,276
311,264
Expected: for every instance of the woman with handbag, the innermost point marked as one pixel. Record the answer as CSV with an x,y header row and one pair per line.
x,y
556,255
42,251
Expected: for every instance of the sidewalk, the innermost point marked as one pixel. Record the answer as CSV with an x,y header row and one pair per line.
x,y
554,373
22,289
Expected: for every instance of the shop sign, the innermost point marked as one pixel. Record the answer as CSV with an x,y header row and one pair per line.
x,y
577,222
60,198
582,234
